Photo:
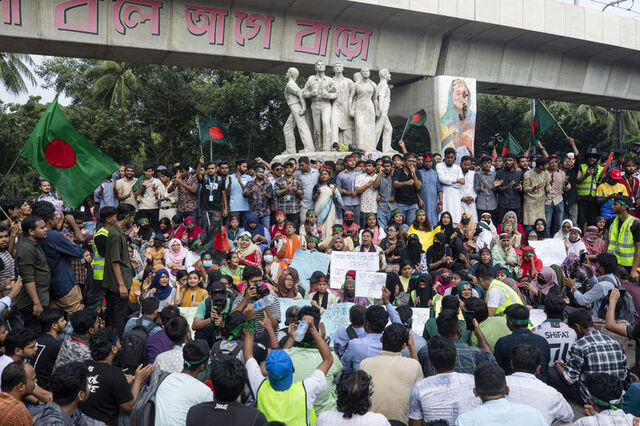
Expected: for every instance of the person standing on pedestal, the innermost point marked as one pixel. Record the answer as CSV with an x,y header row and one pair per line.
x,y
321,90
298,107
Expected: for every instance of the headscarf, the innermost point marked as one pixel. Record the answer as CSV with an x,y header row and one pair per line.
x,y
595,246
178,257
578,246
540,234
438,247
258,230
549,277
516,225
336,238
484,236
561,234
250,249
393,282
514,286
423,294
162,292
488,219
525,266
447,229
282,290
145,232
414,250
465,285
471,226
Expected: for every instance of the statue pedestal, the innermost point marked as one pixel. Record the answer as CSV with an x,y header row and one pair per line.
x,y
327,155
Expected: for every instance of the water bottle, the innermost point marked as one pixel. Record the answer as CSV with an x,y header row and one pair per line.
x,y
300,331
268,300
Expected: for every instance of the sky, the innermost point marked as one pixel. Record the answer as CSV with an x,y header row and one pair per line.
x,y
629,8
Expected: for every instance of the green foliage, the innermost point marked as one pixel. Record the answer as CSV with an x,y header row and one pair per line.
x,y
14,68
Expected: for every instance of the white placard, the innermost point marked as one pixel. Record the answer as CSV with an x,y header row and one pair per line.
x,y
420,317
537,317
550,251
369,284
343,261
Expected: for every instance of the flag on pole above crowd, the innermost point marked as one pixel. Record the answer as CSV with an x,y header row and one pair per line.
x,y
418,119
64,157
511,145
541,121
214,131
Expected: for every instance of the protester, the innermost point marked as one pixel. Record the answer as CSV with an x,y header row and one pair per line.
x,y
18,381
605,394
76,348
53,325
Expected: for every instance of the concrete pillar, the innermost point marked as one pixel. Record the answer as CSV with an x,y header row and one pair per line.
x,y
450,104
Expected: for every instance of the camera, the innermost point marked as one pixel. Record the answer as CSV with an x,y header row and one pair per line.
x,y
468,319
262,290
583,257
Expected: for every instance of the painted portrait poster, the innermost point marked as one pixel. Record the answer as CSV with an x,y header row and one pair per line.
x,y
457,113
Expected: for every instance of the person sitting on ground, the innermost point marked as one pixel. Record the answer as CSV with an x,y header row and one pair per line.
x,y
491,387
493,328
228,377
343,336
18,381
76,348
393,375
557,333
159,342
518,323
177,330
593,352
53,324
178,392
109,391
406,318
446,394
498,295
524,382
149,312
606,264
605,395
277,396
354,402
468,357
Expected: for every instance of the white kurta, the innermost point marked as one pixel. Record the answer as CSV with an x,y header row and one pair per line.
x,y
451,190
467,190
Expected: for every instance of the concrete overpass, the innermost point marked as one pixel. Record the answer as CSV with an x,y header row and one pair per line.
x,y
534,48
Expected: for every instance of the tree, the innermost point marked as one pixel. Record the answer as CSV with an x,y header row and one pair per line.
x,y
114,84
14,68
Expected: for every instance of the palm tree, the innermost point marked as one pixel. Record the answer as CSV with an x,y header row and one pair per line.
x,y
114,84
14,68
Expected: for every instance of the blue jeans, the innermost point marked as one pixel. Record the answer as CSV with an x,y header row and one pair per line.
x,y
554,214
408,212
265,221
383,218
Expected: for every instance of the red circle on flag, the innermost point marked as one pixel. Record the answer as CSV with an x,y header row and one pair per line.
x,y
216,133
59,154
416,117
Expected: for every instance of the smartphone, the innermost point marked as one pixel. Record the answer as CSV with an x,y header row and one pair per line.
x,y
583,257
468,319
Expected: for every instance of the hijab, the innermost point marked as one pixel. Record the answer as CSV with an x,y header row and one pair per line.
x,y
514,286
178,257
162,292
578,246
595,246
561,234
392,283
447,229
334,240
282,290
438,248
423,295
414,250
549,277
250,249
484,236
258,230
540,234
471,226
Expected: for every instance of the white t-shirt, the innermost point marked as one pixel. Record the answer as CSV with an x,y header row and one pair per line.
x,y
495,298
314,385
560,337
335,418
149,200
368,203
176,395
4,361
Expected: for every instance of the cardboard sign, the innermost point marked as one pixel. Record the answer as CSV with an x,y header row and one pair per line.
x,y
286,303
343,261
369,284
537,317
336,316
306,263
420,317
550,251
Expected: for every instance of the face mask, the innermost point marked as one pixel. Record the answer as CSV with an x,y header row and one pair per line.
x,y
82,261
465,220
207,263
348,222
268,258
349,292
446,279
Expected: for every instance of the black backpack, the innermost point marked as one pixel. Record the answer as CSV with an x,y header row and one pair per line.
x,y
144,410
133,345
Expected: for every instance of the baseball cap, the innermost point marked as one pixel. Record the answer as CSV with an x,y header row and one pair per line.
x,y
218,291
615,174
280,369
189,219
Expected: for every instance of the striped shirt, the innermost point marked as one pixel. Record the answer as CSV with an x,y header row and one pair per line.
x,y
14,413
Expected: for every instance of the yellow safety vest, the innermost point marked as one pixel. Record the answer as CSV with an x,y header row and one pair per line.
x,y
436,307
621,241
288,407
98,259
589,185
511,296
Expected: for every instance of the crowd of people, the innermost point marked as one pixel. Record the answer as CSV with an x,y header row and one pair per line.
x,y
92,332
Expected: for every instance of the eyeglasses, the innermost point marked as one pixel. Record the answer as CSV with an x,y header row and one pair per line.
x,y
288,279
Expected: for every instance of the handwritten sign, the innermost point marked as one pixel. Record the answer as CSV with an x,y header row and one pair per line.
x,y
343,261
286,303
550,251
336,316
537,317
369,284
306,263
189,314
420,317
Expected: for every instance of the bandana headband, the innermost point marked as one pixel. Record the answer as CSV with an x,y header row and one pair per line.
x,y
613,404
621,201
420,211
516,321
310,213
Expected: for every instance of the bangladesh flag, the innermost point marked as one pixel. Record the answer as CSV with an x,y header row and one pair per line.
x,y
418,119
214,131
66,158
542,120
511,145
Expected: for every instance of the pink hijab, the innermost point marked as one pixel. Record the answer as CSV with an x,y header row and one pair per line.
x,y
549,277
178,257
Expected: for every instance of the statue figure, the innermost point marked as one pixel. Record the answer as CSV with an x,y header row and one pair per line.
x,y
341,122
297,105
321,90
363,109
383,125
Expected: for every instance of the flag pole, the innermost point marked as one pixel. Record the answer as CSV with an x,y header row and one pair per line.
x,y
405,128
4,178
554,119
200,136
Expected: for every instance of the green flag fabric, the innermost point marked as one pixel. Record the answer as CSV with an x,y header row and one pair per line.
x,y
418,119
65,158
541,121
211,130
511,145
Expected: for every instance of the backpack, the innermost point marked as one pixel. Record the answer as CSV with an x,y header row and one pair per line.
x,y
133,345
144,410
625,309
217,351
351,333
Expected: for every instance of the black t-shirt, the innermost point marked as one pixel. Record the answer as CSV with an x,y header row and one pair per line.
x,y
406,194
210,197
214,413
635,227
48,348
108,388
571,196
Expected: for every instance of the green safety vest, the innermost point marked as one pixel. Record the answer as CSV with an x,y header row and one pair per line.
x,y
288,407
621,241
98,259
589,185
511,296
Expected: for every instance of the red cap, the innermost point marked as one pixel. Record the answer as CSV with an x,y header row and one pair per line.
x,y
615,174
